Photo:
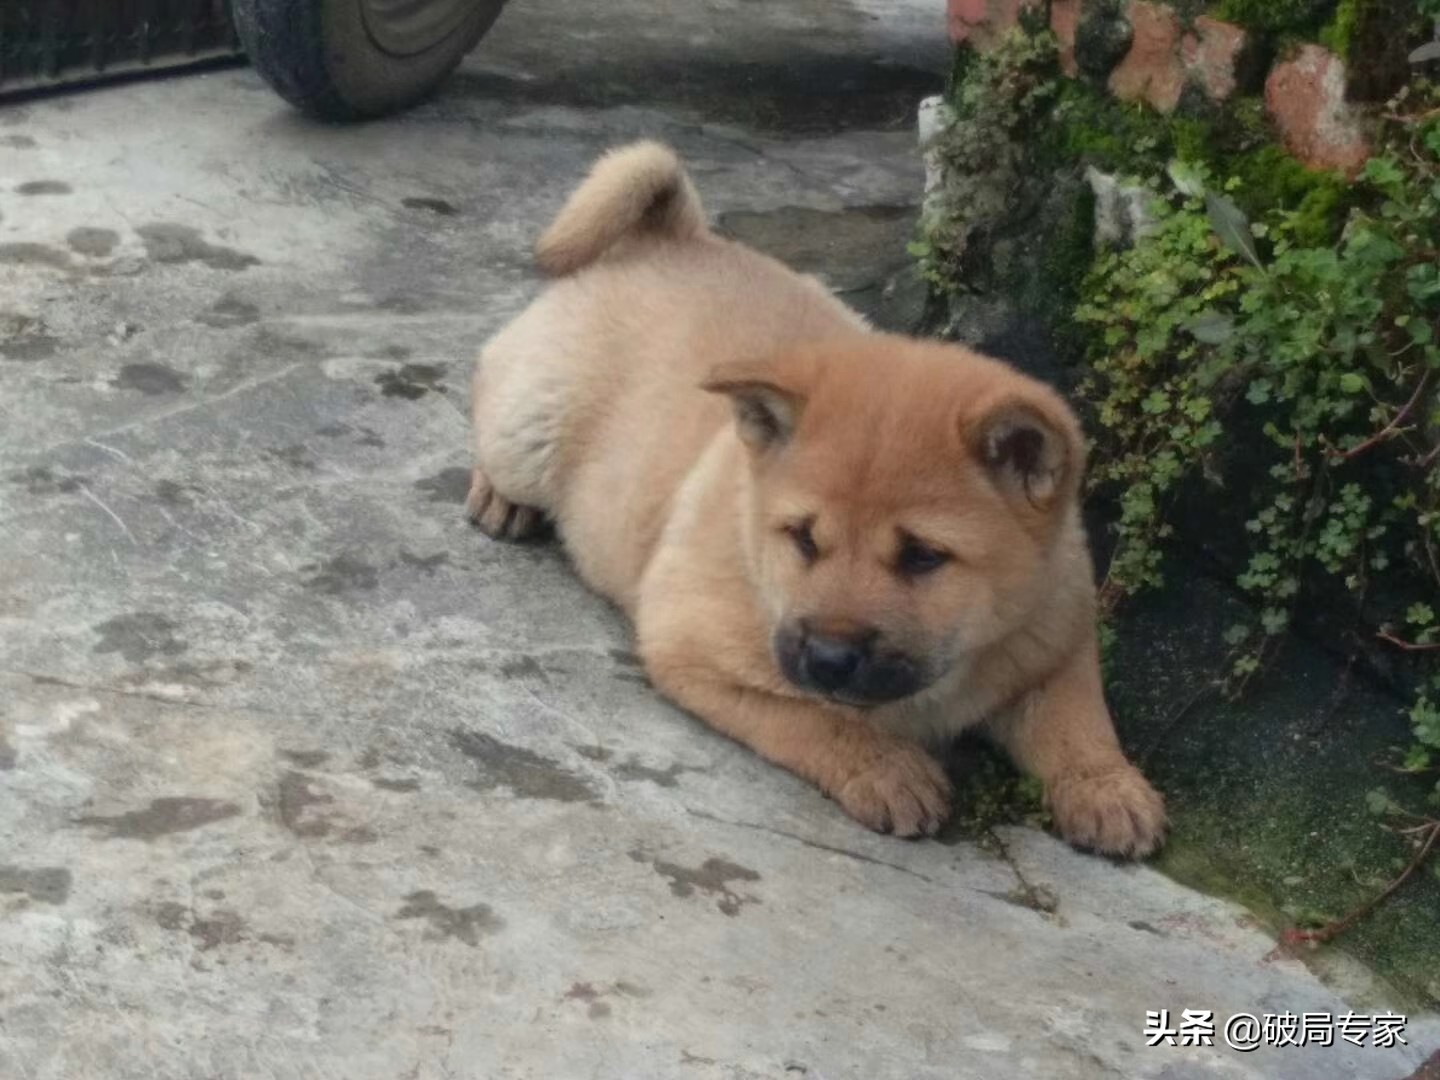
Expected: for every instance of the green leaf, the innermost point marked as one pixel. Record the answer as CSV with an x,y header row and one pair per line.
x,y
1352,383
1211,327
1232,227
1426,53
1379,802
1188,178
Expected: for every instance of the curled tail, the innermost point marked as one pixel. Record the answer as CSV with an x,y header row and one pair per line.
x,y
637,188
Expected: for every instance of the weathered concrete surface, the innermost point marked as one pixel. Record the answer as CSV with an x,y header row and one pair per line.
x,y
300,777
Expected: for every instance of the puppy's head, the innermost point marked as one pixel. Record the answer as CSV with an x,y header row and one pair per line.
x,y
904,502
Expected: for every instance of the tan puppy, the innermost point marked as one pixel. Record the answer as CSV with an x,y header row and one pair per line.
x,y
836,545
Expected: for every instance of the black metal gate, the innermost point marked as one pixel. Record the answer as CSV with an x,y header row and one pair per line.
x,y
55,42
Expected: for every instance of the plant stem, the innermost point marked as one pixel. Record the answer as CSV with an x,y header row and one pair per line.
x,y
1331,930
1408,646
1392,427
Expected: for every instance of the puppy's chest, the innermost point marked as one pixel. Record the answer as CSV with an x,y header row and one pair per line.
x,y
940,712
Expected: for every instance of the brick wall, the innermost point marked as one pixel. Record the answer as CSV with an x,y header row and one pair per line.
x,y
1166,58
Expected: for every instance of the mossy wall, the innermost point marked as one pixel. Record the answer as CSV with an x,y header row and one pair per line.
x,y
1131,256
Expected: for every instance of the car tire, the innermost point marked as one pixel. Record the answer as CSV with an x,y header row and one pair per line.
x,y
357,59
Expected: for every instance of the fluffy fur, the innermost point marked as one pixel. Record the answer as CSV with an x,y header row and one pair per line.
x,y
837,546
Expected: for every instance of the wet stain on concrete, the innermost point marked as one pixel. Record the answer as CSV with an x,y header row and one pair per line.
x,y
523,667
149,379
404,786
166,242
411,381
28,254
668,777
434,206
632,769
8,755
591,995
528,775
296,797
467,924
171,916
18,142
138,636
43,187
343,574
92,242
41,480
426,564
277,346
163,817
712,877
447,486
229,312
42,884
221,928
172,494
626,658
25,338
29,347
306,759
295,455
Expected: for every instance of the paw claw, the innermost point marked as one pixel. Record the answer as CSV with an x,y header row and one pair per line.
x,y
903,792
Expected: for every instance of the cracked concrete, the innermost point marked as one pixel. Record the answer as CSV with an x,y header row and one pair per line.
x,y
300,776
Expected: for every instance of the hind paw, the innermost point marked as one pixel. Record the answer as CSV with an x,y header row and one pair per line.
x,y
496,516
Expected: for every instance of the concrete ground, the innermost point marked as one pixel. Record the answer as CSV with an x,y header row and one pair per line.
x,y
302,777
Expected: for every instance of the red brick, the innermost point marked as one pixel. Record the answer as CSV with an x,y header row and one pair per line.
x,y
1152,71
983,22
1305,96
1064,21
1211,55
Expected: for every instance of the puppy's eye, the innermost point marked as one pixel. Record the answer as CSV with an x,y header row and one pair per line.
x,y
804,539
916,559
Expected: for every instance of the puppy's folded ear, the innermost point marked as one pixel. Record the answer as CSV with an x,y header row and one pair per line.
x,y
765,411
1031,447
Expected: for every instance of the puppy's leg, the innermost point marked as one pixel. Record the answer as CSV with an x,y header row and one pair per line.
x,y
1062,733
884,782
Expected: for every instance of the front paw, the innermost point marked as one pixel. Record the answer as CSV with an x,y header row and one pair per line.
x,y
904,791
1115,812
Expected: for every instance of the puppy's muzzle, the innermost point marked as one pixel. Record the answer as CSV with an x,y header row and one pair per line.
x,y
851,667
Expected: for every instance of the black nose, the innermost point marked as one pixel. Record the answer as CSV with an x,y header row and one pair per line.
x,y
831,663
